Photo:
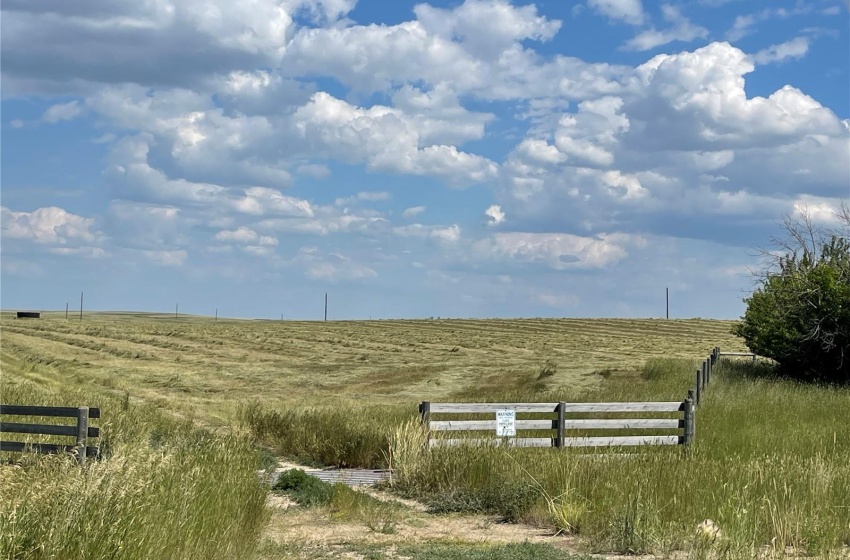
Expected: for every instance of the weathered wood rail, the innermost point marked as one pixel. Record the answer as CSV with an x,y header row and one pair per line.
x,y
560,422
81,431
559,419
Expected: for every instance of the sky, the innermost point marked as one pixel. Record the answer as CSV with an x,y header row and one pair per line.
x,y
483,158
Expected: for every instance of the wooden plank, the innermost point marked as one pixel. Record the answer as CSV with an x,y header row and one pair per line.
x,y
469,408
512,442
621,440
746,354
44,429
624,407
625,423
19,447
471,425
54,411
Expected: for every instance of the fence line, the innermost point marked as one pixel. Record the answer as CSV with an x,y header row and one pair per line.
x,y
81,431
558,425
703,374
504,427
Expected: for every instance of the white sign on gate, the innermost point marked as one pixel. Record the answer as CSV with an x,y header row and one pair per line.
x,y
506,423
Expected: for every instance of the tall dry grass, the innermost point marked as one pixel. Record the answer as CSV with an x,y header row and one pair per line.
x,y
343,434
163,489
769,466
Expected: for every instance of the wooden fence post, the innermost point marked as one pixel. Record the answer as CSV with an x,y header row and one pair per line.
x,y
425,414
699,387
82,433
689,419
710,363
562,418
704,373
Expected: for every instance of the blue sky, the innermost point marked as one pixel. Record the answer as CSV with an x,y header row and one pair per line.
x,y
460,159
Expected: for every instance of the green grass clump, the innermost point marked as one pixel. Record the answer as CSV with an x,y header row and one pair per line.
x,y
510,499
304,489
342,502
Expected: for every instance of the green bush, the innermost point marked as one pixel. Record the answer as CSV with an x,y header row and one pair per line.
x,y
800,315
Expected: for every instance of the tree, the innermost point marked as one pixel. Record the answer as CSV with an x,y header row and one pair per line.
x,y
799,315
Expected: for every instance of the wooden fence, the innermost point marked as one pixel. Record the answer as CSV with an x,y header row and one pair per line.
x,y
81,431
560,421
703,375
563,430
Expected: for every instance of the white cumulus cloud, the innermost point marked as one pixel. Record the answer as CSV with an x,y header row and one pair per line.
x,y
495,214
51,225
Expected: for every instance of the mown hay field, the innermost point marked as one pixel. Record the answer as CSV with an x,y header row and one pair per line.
x,y
204,368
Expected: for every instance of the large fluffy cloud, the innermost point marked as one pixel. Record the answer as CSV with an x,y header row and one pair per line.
x,y
50,225
48,45
682,142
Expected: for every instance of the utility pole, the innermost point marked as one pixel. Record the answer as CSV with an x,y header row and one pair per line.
x,y
81,306
66,310
326,306
667,297
176,307
216,313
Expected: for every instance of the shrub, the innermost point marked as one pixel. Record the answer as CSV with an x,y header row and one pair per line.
x,y
800,315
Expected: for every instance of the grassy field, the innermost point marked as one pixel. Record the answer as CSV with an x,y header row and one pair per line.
x,y
205,369
769,465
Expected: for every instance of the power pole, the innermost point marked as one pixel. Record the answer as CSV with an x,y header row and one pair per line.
x,y
176,307
81,306
326,306
667,295
66,310
216,313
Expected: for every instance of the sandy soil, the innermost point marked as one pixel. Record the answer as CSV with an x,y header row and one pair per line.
x,y
314,528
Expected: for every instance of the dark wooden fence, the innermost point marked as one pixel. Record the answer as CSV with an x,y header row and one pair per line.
x,y
561,421
81,431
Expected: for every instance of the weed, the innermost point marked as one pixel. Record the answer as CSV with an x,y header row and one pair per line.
x,y
548,369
